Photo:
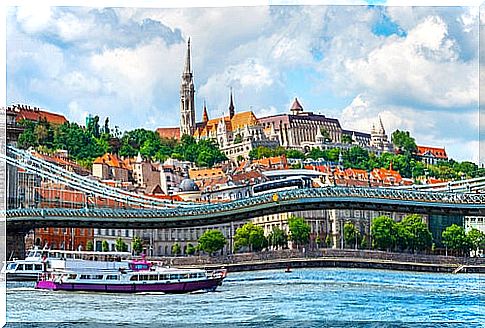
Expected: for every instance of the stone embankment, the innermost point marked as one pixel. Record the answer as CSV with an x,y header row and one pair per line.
x,y
330,258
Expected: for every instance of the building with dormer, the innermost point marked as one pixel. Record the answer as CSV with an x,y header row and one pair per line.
x,y
431,155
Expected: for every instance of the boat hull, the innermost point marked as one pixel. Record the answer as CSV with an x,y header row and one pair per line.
x,y
177,287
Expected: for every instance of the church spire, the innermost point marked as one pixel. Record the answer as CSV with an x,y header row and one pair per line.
x,y
231,107
187,69
381,126
187,96
205,116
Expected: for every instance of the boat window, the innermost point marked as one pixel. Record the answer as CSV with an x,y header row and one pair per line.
x,y
112,277
29,267
164,277
97,276
38,266
184,276
154,277
20,267
201,274
72,276
11,266
84,276
175,277
134,278
193,275
144,277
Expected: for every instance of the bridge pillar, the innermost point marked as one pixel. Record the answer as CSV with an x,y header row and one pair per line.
x,y
15,245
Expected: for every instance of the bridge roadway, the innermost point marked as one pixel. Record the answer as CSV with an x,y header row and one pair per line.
x,y
380,199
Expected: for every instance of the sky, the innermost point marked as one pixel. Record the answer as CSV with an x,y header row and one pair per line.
x,y
415,67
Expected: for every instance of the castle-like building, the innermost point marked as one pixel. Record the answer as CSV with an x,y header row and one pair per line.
x,y
238,133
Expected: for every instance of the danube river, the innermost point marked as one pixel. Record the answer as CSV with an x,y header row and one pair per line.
x,y
304,297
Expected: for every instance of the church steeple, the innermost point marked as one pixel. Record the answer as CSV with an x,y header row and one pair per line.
x,y
205,116
187,106
231,107
187,69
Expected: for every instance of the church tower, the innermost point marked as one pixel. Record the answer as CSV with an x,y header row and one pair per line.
x,y
187,107
231,107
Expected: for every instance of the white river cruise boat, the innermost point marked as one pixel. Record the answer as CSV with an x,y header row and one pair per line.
x,y
138,276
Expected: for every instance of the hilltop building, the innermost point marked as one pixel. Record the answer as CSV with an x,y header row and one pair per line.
x,y
431,155
35,114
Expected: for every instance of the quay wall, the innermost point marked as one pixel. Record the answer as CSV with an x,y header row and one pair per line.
x,y
331,258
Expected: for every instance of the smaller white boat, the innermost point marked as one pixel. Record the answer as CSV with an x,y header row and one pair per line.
x,y
39,260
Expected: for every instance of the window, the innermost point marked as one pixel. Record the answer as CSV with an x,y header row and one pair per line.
x,y
112,277
38,266
29,267
134,278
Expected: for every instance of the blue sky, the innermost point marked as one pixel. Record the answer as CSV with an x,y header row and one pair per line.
x,y
416,67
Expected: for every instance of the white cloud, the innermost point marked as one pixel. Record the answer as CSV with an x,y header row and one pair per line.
x,y
421,68
34,17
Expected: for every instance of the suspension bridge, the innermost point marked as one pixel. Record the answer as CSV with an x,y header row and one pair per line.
x,y
140,211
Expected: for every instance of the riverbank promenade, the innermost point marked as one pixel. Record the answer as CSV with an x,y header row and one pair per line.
x,y
331,258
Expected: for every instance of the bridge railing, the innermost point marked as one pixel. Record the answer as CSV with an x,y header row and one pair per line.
x,y
342,193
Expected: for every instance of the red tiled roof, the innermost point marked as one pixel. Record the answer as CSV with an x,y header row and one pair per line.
x,y
110,160
25,112
435,151
169,133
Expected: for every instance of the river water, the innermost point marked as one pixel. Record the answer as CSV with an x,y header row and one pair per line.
x,y
304,298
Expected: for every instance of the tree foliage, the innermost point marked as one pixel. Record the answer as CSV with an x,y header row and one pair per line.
x,y
351,235
190,249
212,241
278,238
250,236
105,246
120,245
404,142
137,245
176,249
299,230
383,233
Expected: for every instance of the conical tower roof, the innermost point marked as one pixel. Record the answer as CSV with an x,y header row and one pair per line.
x,y
296,106
187,68
205,116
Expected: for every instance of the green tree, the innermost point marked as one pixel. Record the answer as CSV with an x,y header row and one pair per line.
x,y
212,241
347,139
89,245
105,246
328,241
404,142
383,233
278,238
137,245
250,236
475,238
454,238
351,235
417,233
176,249
292,153
120,245
299,230
190,249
